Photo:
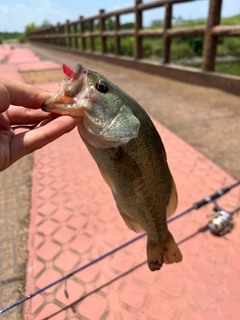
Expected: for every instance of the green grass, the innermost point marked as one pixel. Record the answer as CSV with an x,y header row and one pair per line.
x,y
228,46
127,46
10,41
234,20
189,24
230,67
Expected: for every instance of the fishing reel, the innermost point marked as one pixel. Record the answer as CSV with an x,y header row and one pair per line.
x,y
221,222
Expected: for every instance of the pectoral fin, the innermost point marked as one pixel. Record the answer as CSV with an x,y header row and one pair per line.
x,y
173,200
125,165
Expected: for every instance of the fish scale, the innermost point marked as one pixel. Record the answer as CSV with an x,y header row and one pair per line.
x,y
130,155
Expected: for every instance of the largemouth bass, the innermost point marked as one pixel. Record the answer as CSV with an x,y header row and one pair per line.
x,y
129,153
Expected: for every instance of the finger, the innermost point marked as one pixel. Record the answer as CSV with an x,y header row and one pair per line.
x,y
18,115
18,93
29,141
23,127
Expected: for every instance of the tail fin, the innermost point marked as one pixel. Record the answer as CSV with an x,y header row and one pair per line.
x,y
171,252
167,253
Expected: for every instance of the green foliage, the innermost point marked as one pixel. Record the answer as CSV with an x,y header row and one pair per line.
x,y
110,44
229,46
190,23
110,24
181,49
127,46
22,38
234,20
79,44
31,27
196,44
86,26
186,47
96,25
231,67
152,47
88,43
9,37
156,26
45,24
127,26
97,44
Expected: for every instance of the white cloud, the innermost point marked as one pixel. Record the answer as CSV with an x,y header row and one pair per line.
x,y
49,7
21,8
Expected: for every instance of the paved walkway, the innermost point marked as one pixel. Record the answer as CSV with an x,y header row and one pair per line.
x,y
74,220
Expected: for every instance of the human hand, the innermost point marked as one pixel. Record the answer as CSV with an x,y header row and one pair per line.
x,y
41,128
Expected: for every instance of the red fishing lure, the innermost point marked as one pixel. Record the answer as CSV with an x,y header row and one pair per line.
x,y
67,71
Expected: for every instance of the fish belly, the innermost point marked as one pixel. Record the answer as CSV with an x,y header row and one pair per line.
x,y
142,191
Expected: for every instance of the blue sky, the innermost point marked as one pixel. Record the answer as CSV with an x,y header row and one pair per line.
x,y
16,14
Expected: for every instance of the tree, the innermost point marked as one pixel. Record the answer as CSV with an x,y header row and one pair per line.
x,y
45,24
30,27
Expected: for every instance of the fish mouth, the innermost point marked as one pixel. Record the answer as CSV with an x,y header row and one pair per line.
x,y
65,101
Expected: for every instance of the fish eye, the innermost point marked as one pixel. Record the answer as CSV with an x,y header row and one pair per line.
x,y
101,86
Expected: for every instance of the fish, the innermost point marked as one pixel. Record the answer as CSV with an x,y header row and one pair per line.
x,y
130,155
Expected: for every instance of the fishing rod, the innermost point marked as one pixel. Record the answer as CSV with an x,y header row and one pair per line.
x,y
220,225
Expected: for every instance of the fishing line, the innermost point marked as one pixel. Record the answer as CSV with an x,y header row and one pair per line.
x,y
73,304
197,205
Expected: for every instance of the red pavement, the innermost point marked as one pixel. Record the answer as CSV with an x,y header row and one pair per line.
x,y
74,220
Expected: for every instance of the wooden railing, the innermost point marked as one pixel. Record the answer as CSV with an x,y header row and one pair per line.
x,y
72,35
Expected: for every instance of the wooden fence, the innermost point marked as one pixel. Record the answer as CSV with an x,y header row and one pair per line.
x,y
72,36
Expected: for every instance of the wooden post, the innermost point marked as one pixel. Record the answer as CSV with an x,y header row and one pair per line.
x,y
138,26
61,33
46,32
102,29
67,30
75,37
53,39
82,32
60,39
117,38
58,32
49,39
166,39
91,26
210,42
